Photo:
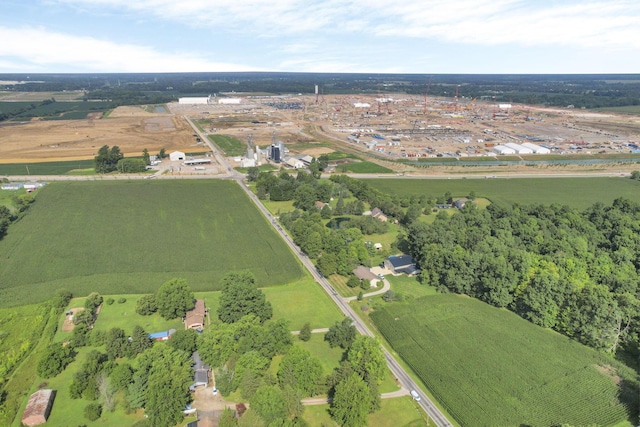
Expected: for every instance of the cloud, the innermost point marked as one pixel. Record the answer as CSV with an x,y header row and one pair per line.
x,y
37,49
578,23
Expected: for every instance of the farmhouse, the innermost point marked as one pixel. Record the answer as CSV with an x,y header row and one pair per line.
x,y
176,156
38,408
461,202
318,204
194,319
379,215
401,264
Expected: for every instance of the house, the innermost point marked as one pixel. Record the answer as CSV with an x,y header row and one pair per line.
x,y
200,372
177,155
379,215
401,264
318,204
38,408
460,203
162,336
194,319
364,273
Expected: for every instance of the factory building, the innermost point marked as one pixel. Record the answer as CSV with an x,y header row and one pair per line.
x,y
502,150
536,148
194,100
519,149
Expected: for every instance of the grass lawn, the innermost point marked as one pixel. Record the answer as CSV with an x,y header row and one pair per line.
x,y
276,207
575,192
229,145
124,316
340,284
301,302
519,374
69,412
409,287
329,357
132,236
397,412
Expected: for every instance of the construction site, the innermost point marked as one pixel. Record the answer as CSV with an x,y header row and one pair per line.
x,y
403,133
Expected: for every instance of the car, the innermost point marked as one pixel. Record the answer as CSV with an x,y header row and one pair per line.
x,y
215,391
415,395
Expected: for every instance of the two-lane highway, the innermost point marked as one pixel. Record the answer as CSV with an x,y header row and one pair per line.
x,y
403,378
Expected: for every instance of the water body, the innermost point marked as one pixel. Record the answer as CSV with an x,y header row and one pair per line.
x,y
160,109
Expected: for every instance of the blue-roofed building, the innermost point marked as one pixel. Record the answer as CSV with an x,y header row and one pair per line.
x,y
162,336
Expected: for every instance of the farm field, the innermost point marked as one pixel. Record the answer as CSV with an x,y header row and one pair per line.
x,y
45,168
519,374
579,193
364,167
131,237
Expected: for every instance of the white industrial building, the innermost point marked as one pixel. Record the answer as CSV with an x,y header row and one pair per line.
x,y
294,163
229,100
536,148
361,105
176,156
520,149
194,100
502,150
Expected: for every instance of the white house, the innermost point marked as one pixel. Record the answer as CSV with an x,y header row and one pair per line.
x,y
177,155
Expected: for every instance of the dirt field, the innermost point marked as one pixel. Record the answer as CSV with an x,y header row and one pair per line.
x,y
130,128
67,325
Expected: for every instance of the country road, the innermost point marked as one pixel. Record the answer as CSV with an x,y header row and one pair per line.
x,y
396,369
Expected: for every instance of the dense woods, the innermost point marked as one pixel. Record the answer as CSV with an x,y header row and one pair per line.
x,y
575,272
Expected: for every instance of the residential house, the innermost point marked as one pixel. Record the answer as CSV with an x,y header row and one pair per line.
x,y
194,319
379,215
401,264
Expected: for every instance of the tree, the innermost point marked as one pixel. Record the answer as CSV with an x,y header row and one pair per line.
x,y
107,159
117,343
162,153
185,340
350,403
146,158
240,297
93,411
300,371
635,175
81,335
166,394
131,166
367,359
227,418
174,299
140,341
93,301
55,360
353,281
122,376
252,174
61,298
305,332
341,334
146,305
269,403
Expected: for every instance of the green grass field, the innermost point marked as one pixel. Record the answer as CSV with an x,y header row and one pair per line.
x,y
130,237
397,412
363,167
576,192
44,168
57,110
488,366
229,145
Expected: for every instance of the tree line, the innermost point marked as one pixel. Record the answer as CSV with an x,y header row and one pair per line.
x,y
575,272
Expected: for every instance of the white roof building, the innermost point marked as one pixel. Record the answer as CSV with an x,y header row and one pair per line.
x,y
229,100
536,148
177,155
294,163
361,105
520,149
194,100
502,150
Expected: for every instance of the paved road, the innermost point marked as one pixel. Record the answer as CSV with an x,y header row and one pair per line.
x,y
398,371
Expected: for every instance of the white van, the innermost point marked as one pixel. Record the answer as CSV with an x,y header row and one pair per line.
x,y
415,395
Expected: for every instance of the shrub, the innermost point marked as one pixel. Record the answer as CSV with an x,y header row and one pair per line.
x,y
110,301
305,332
122,300
92,411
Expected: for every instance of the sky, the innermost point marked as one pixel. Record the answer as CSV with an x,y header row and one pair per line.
x,y
350,36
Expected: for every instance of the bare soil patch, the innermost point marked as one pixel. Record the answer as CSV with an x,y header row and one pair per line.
x,y
609,371
132,129
67,325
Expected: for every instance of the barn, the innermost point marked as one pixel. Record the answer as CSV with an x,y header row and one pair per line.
x,y
176,156
38,408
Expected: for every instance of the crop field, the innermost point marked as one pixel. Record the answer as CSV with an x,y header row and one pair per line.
x,y
130,237
229,145
364,167
54,110
489,367
578,193
44,168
